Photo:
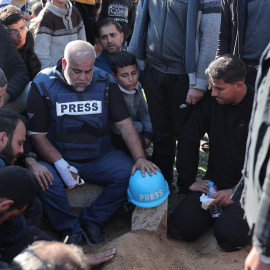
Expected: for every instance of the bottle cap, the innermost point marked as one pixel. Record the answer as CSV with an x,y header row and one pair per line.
x,y
211,184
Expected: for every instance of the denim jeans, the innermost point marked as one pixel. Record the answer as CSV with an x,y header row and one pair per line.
x,y
111,170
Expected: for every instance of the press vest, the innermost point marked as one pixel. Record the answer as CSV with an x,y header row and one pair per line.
x,y
79,123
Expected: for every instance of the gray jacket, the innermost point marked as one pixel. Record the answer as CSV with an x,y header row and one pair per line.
x,y
202,32
138,110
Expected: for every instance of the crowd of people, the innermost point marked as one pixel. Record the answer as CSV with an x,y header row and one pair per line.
x,y
87,86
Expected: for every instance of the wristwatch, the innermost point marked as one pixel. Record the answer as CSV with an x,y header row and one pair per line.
x,y
30,154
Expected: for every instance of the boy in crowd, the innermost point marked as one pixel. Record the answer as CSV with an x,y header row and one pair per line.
x,y
12,18
15,71
59,23
126,74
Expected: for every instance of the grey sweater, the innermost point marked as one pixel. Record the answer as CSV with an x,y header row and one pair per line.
x,y
55,28
138,110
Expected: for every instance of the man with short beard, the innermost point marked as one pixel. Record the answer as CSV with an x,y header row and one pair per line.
x,y
12,136
16,233
110,37
70,108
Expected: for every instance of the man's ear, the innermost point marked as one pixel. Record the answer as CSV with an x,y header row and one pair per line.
x,y
4,205
239,85
122,36
115,77
64,63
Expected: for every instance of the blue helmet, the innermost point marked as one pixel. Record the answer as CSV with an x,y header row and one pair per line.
x,y
148,191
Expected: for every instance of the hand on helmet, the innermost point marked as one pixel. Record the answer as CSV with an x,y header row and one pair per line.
x,y
144,165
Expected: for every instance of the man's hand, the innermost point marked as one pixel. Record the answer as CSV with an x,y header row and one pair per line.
x,y
69,174
200,185
98,258
144,165
222,198
194,95
41,173
254,262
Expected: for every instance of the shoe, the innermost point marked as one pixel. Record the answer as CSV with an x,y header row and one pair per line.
x,y
93,235
75,239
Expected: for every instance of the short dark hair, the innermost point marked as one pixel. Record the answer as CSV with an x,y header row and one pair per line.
x,y
3,78
9,121
107,22
17,184
10,15
122,59
228,67
36,8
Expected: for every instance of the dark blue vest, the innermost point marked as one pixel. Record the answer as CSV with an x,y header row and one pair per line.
x,y
79,121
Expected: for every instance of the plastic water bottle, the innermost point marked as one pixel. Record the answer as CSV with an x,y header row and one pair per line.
x,y
215,210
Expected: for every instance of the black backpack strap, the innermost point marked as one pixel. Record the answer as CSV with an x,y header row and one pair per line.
x,y
46,95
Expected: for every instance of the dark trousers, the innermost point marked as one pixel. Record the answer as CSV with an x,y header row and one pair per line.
x,y
165,94
111,170
188,221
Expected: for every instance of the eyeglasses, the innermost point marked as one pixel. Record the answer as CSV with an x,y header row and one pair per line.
x,y
15,32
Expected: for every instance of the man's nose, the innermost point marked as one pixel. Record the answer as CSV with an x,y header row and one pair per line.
x,y
82,76
21,149
109,39
214,92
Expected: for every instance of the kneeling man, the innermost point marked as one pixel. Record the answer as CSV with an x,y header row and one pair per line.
x,y
70,108
224,113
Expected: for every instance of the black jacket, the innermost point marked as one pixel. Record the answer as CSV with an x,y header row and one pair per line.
x,y
121,11
12,65
29,57
232,28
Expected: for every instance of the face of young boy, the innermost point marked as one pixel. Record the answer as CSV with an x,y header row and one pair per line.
x,y
127,77
18,33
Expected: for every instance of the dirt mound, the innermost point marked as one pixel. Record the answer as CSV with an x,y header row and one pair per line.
x,y
141,250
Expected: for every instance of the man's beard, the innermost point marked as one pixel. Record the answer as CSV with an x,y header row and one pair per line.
x,y
8,153
73,85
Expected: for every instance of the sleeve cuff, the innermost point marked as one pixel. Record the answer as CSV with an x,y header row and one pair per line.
x,y
265,259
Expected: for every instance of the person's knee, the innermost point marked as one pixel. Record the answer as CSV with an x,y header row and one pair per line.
x,y
178,228
180,233
227,240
